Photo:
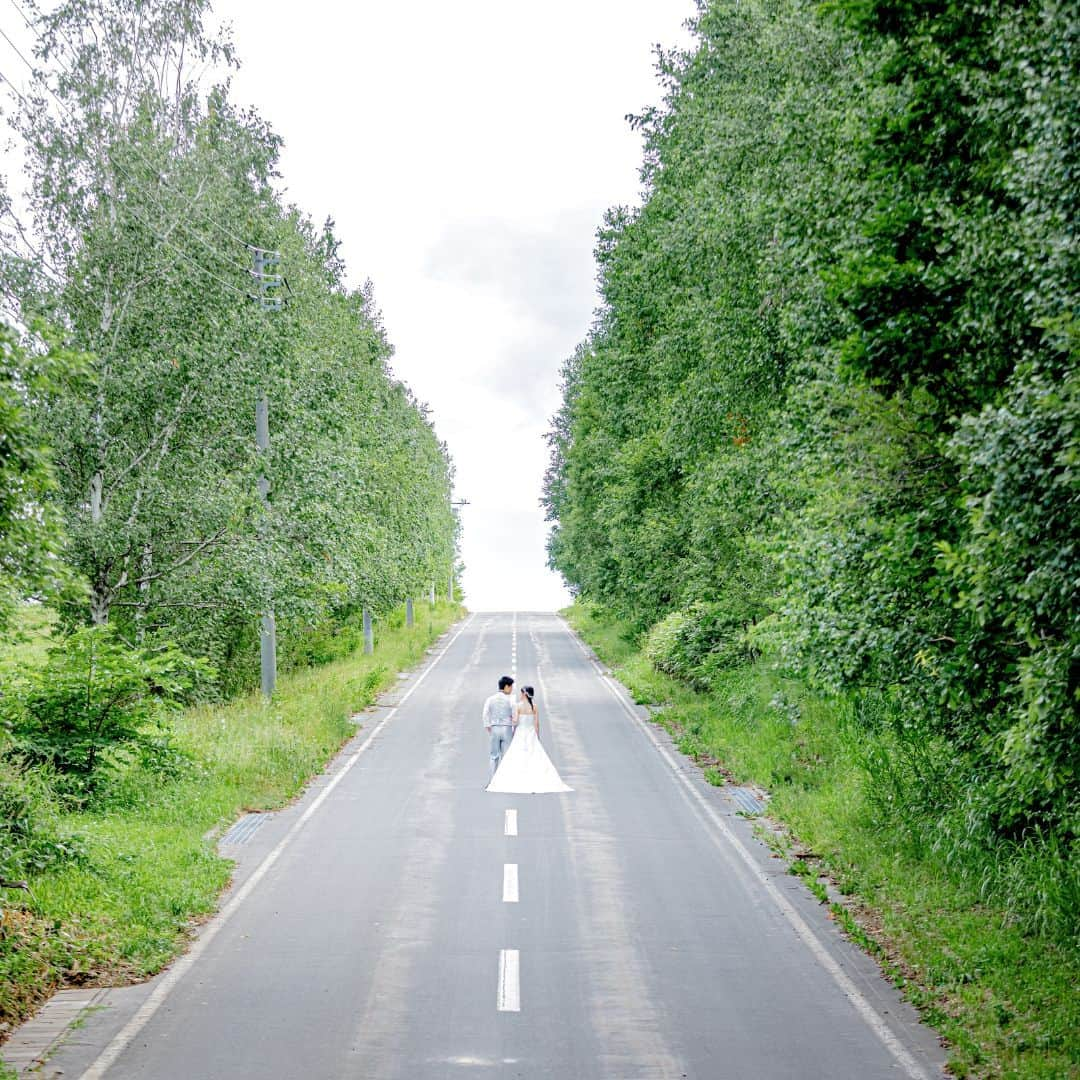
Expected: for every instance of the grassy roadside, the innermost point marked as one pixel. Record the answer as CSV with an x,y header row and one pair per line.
x,y
146,873
1007,1003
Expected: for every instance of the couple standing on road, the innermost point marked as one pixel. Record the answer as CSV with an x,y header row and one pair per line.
x,y
519,763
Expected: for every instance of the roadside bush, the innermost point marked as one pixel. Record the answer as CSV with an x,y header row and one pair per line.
x,y
95,702
1015,577
31,839
663,645
317,643
697,643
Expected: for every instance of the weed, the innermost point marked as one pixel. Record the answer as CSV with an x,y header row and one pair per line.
x,y
146,873
954,924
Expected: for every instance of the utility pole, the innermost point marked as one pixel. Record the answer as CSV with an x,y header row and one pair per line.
x,y
409,613
268,630
261,262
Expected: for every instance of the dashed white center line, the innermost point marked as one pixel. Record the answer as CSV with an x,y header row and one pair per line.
x,y
508,997
508,993
510,883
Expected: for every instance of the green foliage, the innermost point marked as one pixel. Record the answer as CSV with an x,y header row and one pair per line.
x,y
123,904
830,397
30,529
664,646
95,699
951,925
145,196
32,836
1015,577
696,644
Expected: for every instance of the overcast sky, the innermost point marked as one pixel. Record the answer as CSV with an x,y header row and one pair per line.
x,y
467,152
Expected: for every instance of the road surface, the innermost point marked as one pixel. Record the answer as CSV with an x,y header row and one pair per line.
x,y
401,922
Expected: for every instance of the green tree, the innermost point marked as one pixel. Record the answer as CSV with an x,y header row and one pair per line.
x,y
145,242
93,700
832,387
31,533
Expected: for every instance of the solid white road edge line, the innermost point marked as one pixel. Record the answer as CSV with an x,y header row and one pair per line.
x,y
867,1011
510,883
181,966
508,995
510,823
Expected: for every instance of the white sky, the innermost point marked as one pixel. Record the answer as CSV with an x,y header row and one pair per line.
x,y
467,152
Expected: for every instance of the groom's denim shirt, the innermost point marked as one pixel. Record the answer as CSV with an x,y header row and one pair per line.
x,y
499,709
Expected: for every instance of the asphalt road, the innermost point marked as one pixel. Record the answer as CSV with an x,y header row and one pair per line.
x,y
400,922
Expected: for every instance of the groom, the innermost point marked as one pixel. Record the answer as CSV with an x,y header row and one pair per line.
x,y
499,721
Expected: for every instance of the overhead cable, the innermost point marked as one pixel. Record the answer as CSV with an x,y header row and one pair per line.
x,y
192,204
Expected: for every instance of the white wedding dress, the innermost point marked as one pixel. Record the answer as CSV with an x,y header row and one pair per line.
x,y
525,768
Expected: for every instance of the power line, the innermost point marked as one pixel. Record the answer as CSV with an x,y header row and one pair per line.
x,y
51,274
23,14
16,49
34,30
58,279
14,89
126,207
123,172
183,254
190,202
202,240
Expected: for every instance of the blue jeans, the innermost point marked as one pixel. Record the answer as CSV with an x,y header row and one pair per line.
x,y
501,734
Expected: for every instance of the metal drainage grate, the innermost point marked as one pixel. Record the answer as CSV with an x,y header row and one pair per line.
x,y
244,829
744,800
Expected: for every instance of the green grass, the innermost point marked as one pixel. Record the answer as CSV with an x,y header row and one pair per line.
x,y
149,873
29,637
1006,1001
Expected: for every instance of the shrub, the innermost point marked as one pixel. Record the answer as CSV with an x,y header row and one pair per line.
x,y
94,701
31,839
696,644
663,645
1015,577
319,642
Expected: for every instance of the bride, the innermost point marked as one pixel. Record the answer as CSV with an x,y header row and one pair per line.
x,y
525,767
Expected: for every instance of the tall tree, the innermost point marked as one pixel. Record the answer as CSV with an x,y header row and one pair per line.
x,y
149,193
833,380
31,530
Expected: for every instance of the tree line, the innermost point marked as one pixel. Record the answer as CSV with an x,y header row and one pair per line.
x,y
139,341
156,288
827,415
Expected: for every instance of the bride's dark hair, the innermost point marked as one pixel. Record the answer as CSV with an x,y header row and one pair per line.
x,y
529,691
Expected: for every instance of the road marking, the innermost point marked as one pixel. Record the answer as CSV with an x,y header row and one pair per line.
x,y
184,963
868,1013
510,823
508,996
510,883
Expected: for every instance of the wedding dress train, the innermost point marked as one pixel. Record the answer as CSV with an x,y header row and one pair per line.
x,y
525,768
